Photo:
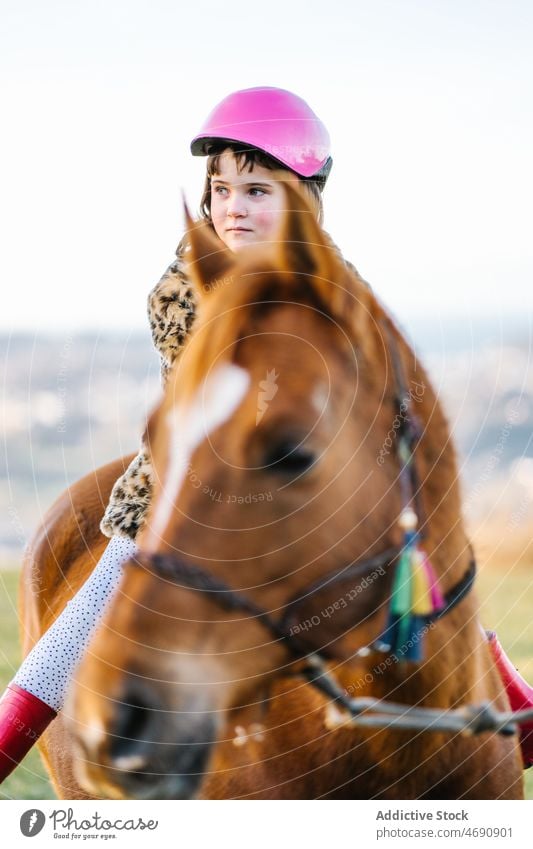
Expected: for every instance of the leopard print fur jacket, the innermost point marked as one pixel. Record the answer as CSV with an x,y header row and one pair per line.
x,y
171,313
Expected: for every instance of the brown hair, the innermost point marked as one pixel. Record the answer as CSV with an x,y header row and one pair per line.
x,y
249,157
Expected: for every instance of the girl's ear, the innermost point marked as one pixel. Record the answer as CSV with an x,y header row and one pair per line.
x,y
208,259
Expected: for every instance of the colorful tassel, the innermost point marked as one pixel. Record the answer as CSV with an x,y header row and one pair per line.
x,y
415,595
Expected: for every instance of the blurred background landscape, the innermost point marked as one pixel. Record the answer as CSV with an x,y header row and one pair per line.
x,y
73,402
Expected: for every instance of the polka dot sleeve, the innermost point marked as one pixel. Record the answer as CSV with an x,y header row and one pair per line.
x,y
47,670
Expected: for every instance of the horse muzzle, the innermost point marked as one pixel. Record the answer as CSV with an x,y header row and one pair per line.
x,y
143,748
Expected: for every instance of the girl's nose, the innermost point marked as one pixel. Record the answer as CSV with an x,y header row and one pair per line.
x,y
236,205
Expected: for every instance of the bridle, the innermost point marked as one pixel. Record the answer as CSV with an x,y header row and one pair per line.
x,y
313,665
192,577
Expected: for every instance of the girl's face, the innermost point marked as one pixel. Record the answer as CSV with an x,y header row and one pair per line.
x,y
246,208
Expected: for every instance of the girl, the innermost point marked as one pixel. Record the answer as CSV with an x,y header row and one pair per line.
x,y
252,139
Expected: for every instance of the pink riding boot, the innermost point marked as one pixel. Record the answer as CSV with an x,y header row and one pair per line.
x,y
519,693
23,718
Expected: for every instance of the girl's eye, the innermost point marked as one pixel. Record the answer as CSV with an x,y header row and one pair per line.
x,y
257,192
220,190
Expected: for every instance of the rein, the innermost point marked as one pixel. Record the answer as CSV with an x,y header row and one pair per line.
x,y
416,603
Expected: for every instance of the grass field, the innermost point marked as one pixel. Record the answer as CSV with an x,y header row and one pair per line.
x,y
507,604
29,780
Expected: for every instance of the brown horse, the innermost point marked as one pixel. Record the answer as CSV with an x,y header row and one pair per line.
x,y
274,450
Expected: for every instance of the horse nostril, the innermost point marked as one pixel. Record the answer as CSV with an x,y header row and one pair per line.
x,y
150,750
132,732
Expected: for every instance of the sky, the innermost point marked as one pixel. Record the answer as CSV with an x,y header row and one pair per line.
x,y
428,104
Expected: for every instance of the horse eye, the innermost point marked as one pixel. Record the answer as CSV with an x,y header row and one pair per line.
x,y
288,457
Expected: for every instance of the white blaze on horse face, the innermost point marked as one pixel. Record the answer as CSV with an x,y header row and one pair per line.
x,y
320,398
212,405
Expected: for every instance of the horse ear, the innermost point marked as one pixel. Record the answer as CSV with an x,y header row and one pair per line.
x,y
304,246
208,259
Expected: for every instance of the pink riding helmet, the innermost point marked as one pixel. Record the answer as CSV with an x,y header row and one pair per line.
x,y
275,121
